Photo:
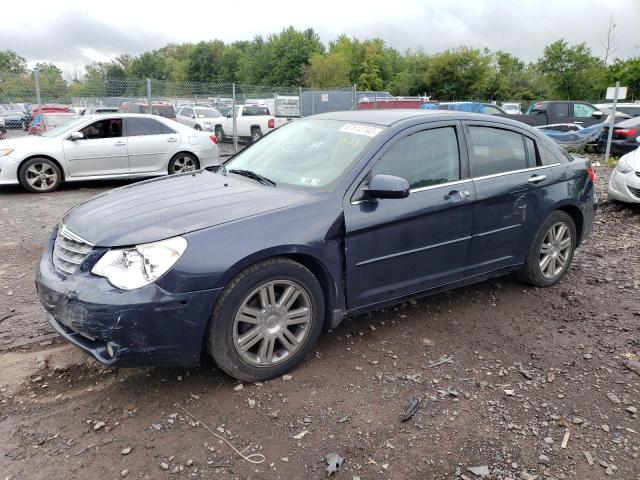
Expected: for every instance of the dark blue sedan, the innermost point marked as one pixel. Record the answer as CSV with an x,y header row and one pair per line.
x,y
325,217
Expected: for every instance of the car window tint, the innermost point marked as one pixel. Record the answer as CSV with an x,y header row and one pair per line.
x,y
562,110
631,111
187,111
107,128
531,152
494,150
490,110
255,111
143,126
582,110
425,158
547,157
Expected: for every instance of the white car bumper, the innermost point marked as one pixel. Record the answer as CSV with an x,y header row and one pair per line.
x,y
625,187
8,170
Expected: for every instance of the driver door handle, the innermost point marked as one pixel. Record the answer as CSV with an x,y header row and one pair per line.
x,y
537,178
120,143
172,139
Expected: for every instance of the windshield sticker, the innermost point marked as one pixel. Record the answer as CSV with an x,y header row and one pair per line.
x,y
309,181
360,129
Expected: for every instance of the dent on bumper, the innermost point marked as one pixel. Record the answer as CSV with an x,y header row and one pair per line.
x,y
144,327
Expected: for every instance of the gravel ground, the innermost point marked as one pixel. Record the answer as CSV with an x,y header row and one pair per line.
x,y
514,382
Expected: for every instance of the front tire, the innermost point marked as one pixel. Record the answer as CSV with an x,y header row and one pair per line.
x,y
197,127
40,175
551,251
182,163
267,320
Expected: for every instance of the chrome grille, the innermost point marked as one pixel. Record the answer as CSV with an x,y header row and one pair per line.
x,y
69,251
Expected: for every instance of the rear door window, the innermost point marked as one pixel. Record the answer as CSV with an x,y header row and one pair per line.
x,y
426,158
562,110
145,126
495,150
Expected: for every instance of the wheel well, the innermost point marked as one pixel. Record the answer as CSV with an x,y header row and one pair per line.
x,y
41,156
323,276
576,215
188,153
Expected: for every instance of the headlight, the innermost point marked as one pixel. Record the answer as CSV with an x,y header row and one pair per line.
x,y
6,151
623,166
131,268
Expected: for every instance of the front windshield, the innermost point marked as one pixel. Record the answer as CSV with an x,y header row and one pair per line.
x,y
307,153
64,128
207,113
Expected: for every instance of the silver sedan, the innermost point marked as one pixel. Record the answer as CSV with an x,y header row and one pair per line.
x,y
105,147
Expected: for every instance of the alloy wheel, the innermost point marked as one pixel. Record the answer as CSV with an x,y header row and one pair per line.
x,y
272,323
555,250
184,164
41,176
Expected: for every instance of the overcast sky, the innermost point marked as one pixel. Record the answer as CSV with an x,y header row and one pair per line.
x,y
71,33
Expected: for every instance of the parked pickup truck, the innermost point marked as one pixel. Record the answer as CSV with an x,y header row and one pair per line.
x,y
558,113
252,122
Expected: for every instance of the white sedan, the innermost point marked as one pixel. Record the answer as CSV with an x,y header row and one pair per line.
x,y
105,147
624,184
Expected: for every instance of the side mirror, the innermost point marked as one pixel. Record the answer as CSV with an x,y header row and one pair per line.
x,y
597,114
76,136
387,186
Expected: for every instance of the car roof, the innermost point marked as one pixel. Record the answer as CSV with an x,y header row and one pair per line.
x,y
389,117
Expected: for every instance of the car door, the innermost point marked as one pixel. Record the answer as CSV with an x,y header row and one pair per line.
x,y
187,116
102,151
151,144
582,114
397,247
508,184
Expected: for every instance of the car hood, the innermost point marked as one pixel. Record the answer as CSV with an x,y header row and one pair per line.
x,y
28,142
162,208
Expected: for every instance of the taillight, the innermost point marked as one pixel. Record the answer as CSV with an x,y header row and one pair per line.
x,y
591,173
625,132
271,123
213,138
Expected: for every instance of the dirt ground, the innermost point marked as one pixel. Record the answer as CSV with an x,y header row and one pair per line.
x,y
515,382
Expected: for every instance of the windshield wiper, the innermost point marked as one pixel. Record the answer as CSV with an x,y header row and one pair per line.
x,y
253,176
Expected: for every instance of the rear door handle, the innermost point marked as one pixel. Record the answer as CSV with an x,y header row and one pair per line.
x,y
579,123
537,178
172,139
120,144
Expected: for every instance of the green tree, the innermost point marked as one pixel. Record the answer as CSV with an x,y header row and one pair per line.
x,y
324,71
627,72
573,70
458,74
11,64
205,61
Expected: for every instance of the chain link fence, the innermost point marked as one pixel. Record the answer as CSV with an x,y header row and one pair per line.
x,y
22,97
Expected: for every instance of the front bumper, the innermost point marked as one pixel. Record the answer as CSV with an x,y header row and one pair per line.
x,y
138,328
619,183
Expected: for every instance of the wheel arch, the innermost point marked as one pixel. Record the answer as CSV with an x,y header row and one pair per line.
x,y
313,263
48,157
577,216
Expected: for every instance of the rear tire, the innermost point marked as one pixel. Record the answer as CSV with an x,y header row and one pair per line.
x,y
40,175
182,163
256,134
253,345
197,127
551,251
219,132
